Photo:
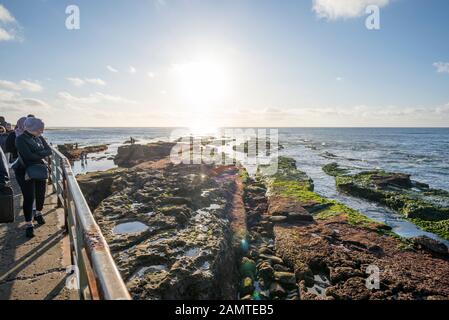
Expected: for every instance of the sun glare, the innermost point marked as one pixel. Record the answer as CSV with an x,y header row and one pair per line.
x,y
203,129
201,85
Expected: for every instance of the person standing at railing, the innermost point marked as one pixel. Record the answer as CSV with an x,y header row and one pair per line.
x,y
10,144
31,171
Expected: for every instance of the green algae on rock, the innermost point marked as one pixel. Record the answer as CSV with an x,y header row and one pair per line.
x,y
330,255
426,207
295,186
333,169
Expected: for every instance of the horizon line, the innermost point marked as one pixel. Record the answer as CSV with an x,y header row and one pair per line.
x,y
257,127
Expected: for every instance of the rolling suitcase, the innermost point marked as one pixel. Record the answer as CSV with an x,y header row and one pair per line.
x,y
6,205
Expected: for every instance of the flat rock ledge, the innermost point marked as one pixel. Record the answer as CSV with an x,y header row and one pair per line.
x,y
169,227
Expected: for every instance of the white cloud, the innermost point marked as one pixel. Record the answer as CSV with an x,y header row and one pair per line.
x,y
339,78
366,112
14,102
78,82
151,74
31,86
96,81
443,109
442,67
8,95
94,98
5,35
132,70
22,85
112,69
344,9
5,15
9,27
5,84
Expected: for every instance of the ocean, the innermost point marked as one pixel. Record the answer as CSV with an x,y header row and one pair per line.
x,y
420,152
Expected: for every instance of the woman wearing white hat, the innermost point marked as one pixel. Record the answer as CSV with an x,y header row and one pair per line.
x,y
31,171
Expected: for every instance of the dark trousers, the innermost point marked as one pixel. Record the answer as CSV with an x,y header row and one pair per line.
x,y
31,190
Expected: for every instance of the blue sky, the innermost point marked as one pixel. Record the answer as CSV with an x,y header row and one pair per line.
x,y
226,62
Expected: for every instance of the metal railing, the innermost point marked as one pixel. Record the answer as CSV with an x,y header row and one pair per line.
x,y
98,276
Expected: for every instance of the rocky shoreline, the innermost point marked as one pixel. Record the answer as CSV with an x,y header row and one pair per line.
x,y
73,152
213,232
416,201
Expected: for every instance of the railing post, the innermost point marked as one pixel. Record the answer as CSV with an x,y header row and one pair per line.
x,y
52,172
58,179
65,197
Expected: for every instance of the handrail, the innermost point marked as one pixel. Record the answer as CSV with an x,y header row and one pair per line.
x,y
97,275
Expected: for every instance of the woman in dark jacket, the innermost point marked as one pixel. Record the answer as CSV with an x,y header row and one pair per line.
x,y
32,149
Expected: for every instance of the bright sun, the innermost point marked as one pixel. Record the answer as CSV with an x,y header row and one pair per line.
x,y
202,85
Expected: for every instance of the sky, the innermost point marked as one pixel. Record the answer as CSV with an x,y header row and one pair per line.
x,y
206,63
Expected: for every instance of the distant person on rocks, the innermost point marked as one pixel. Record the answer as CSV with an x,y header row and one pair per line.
x,y
11,139
32,150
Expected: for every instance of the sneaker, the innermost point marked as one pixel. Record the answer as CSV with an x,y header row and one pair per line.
x,y
39,219
29,231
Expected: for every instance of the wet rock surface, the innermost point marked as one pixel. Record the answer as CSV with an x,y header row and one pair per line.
x,y
333,255
271,278
207,232
131,155
97,186
343,253
424,206
168,228
72,152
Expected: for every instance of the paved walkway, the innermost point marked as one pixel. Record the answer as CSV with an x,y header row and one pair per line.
x,y
34,268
